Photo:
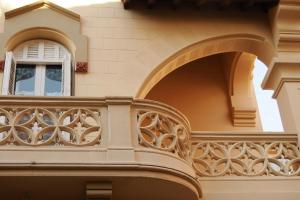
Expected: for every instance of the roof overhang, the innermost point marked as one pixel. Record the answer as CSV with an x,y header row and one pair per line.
x,y
219,4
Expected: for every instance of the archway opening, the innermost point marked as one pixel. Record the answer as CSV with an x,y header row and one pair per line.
x,y
199,90
216,94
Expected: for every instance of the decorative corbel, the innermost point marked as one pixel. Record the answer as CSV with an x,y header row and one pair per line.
x,y
242,98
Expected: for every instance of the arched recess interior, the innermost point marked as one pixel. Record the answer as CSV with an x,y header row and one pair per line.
x,y
242,51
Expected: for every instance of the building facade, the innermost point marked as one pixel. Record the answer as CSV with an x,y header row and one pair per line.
x,y
111,99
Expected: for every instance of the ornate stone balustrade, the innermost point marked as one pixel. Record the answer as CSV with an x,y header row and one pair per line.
x,y
44,121
163,132
50,121
58,121
216,155
42,126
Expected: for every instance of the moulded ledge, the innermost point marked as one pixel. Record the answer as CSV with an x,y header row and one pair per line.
x,y
133,184
142,168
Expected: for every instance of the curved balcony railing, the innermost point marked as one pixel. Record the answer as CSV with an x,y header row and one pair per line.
x,y
165,130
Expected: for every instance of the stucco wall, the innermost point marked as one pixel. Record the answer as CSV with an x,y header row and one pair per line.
x,y
125,46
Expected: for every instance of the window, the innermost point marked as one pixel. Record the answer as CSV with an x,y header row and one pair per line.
x,y
38,68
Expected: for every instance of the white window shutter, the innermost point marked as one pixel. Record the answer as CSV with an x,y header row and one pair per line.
x,y
50,51
9,74
32,50
66,67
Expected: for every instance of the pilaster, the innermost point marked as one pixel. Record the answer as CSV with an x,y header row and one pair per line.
x,y
285,80
119,131
283,75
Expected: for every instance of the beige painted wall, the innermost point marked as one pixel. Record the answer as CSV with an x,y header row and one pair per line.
x,y
199,90
260,188
125,46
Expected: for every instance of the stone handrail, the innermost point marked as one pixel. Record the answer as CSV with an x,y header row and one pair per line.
x,y
225,154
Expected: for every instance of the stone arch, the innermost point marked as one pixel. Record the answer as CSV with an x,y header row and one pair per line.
x,y
249,43
242,50
40,33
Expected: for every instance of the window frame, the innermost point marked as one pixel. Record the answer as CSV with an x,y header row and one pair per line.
x,y
11,63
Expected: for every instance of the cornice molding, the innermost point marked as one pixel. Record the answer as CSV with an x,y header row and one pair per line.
x,y
286,31
281,83
287,71
290,2
243,136
41,4
289,35
288,16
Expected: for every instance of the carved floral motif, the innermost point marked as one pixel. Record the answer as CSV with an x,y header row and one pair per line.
x,y
81,67
245,158
163,133
49,126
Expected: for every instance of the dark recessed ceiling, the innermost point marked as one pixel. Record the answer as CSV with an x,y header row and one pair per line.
x,y
212,4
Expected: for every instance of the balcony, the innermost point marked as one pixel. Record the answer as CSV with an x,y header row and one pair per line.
x,y
133,144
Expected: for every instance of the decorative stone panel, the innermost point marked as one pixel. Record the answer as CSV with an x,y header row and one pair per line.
x,y
161,132
81,67
49,126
